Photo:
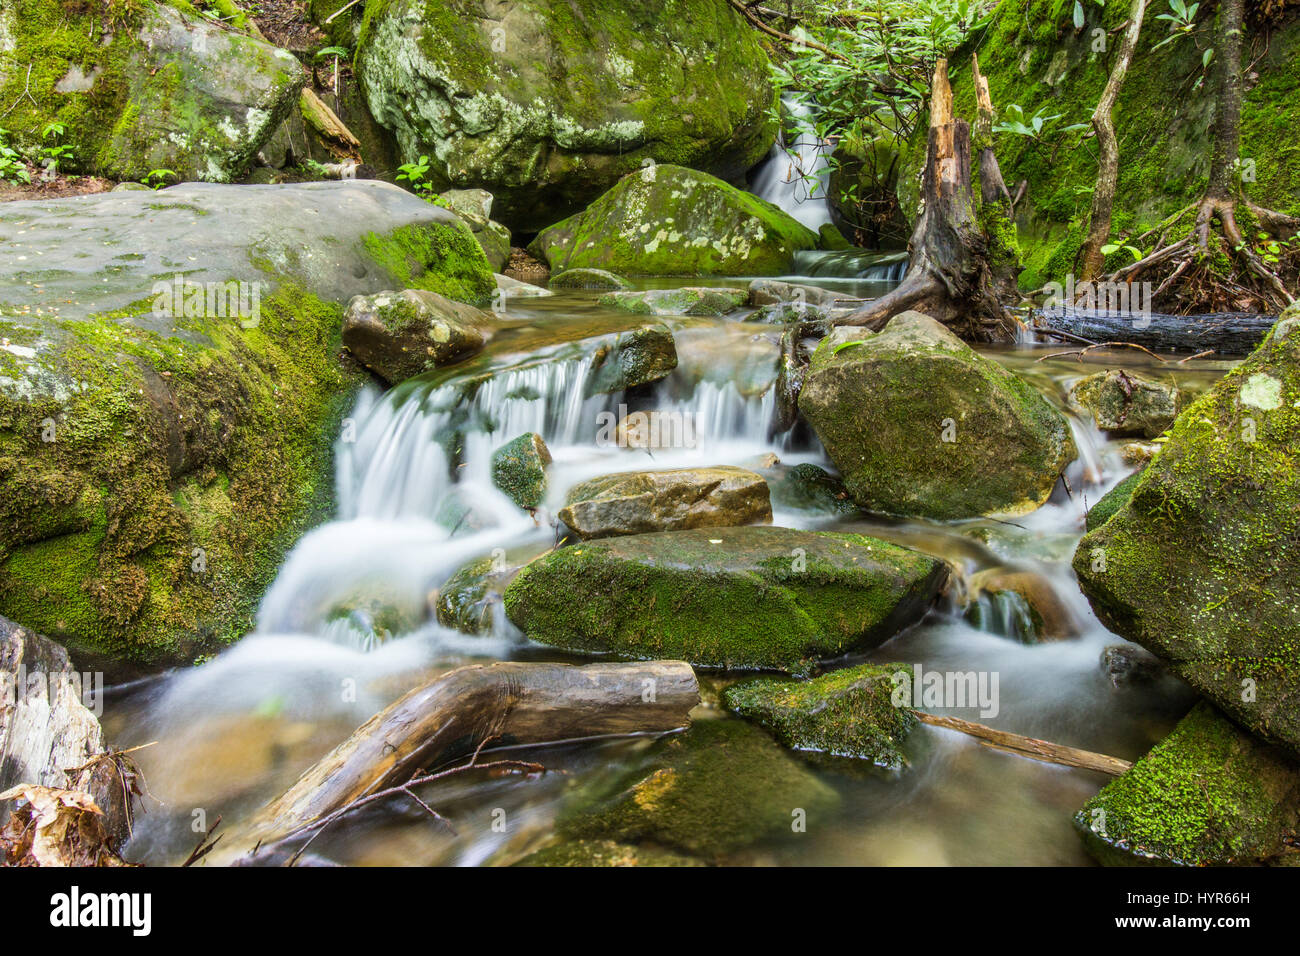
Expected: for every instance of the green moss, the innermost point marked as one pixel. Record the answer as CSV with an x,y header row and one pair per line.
x,y
1112,501
182,469
847,713
519,470
586,853
749,597
441,257
1207,794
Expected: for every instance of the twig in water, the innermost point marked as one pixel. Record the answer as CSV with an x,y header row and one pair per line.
x,y
1079,353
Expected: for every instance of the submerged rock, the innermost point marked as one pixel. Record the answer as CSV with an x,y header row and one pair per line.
x,y
721,786
669,220
1034,609
1201,564
470,600
1127,404
807,487
170,391
589,279
671,500
726,597
160,89
1209,794
636,357
400,334
519,470
920,424
846,713
684,301
1130,664
548,104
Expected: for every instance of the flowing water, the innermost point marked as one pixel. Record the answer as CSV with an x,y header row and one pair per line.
x,y
796,177
412,507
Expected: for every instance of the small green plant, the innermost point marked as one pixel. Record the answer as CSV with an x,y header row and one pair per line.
x,y
1037,127
1112,247
54,154
158,178
12,167
415,175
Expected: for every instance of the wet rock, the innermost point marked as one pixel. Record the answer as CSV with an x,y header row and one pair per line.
x,y
1201,565
721,786
635,357
1209,794
1138,453
669,220
1025,601
776,292
519,470
788,313
373,619
1111,502
470,600
807,487
549,105
1127,404
474,207
398,335
590,279
831,238
919,424
183,345
1130,664
512,288
846,713
728,597
685,301
654,430
671,500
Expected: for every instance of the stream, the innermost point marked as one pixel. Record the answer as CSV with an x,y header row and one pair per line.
x,y
236,731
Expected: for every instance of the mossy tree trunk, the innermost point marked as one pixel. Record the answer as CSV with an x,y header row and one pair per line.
x,y
964,260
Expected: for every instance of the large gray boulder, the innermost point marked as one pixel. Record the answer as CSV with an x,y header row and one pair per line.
x,y
547,104
918,423
669,500
170,390
156,88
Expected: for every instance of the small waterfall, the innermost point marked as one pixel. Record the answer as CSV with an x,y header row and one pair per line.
x,y
796,179
852,264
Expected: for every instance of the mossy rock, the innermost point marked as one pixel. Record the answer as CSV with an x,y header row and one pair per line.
x,y
718,788
1126,404
1209,794
588,279
749,597
170,391
638,356
684,301
587,853
148,86
398,335
1111,502
832,239
470,600
808,487
519,470
1201,564
474,207
669,220
549,106
919,424
846,713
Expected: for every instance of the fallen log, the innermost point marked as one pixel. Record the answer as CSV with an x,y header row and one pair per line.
x,y
1226,333
512,704
1030,747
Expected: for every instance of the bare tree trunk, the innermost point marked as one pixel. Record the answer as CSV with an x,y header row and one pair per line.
x,y
1103,197
953,275
515,702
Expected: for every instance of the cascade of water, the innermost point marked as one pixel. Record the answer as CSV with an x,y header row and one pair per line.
x,y
852,264
796,179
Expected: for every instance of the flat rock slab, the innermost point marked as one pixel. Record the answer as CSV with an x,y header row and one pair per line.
x,y
727,597
669,500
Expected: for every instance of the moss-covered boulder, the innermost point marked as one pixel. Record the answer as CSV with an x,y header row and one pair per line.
x,y
169,394
1202,564
669,220
671,500
846,713
638,356
1127,404
548,104
148,86
718,788
918,423
470,600
1111,502
474,207
400,334
748,597
1035,57
519,469
683,301
1209,794
599,280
